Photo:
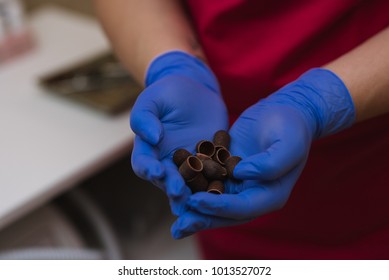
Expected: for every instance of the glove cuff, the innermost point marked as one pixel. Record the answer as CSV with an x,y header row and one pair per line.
x,y
335,109
182,64
323,98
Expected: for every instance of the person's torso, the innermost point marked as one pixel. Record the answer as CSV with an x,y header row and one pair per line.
x,y
257,46
339,207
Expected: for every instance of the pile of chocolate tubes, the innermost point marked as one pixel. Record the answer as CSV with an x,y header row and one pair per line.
x,y
210,166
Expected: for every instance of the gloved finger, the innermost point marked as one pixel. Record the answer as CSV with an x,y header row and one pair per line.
x,y
175,189
250,203
178,205
175,186
276,161
145,162
256,199
144,120
191,222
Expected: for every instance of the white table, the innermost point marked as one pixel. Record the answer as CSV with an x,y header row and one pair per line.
x,y
48,144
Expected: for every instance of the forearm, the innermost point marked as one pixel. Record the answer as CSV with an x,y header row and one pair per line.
x,y
140,30
365,72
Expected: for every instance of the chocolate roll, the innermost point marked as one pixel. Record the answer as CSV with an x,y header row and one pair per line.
x,y
222,155
205,147
216,187
180,156
231,162
222,138
202,157
213,170
198,184
190,168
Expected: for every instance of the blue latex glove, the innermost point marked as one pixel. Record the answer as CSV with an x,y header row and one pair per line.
x,y
273,137
181,105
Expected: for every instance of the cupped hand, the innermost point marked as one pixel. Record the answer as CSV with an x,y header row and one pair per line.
x,y
180,106
273,137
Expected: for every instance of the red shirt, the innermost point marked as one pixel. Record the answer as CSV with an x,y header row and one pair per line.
x,y
339,208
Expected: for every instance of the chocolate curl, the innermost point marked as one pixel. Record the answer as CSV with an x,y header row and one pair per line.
x,y
222,138
180,156
213,170
216,187
205,147
198,184
222,155
231,162
202,157
218,147
190,168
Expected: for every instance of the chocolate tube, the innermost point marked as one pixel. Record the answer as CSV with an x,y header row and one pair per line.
x,y
222,155
216,187
205,147
231,162
190,168
222,138
198,184
213,170
202,157
218,147
180,156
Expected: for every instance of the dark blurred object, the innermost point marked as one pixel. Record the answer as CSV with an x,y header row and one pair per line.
x,y
101,83
84,6
50,233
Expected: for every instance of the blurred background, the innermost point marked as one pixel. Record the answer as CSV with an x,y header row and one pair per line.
x,y
67,188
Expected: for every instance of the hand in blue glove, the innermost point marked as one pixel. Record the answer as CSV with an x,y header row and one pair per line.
x,y
273,137
181,105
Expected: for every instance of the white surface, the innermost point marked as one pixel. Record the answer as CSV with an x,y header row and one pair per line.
x,y
46,143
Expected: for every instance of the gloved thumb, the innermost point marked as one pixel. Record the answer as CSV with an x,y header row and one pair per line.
x,y
271,164
144,121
